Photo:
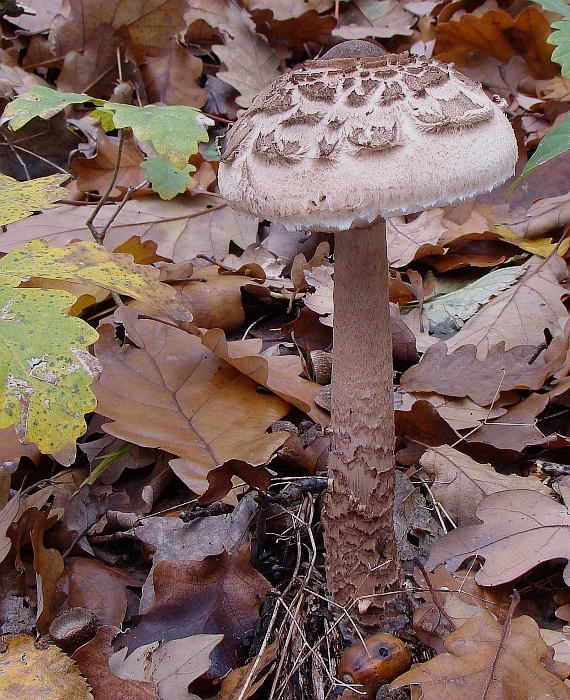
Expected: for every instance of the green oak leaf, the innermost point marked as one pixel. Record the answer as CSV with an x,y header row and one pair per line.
x,y
555,142
166,178
21,199
45,369
88,262
40,101
173,131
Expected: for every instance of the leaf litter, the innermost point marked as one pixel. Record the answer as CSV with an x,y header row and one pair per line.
x,y
198,550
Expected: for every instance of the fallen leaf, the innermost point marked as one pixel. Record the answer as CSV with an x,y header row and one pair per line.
x,y
28,671
93,661
48,565
519,530
171,78
202,409
461,374
19,200
94,174
497,33
250,63
460,483
172,665
482,663
182,229
222,592
511,316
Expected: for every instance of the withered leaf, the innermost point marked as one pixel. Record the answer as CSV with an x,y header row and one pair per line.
x,y
497,33
519,530
164,389
481,664
461,374
460,483
221,593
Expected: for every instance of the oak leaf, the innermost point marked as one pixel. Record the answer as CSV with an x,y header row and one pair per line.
x,y
511,316
497,33
21,199
182,229
250,63
461,374
220,593
460,483
483,662
171,79
519,530
93,661
163,389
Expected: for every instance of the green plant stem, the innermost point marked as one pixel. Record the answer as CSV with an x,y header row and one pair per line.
x,y
99,236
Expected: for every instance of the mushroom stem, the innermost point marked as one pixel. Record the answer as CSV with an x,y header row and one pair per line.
x,y
362,556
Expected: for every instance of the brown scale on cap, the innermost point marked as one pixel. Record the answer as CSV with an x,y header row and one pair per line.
x,y
390,114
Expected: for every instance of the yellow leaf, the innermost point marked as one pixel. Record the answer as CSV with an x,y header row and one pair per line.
x,y
29,672
536,246
20,199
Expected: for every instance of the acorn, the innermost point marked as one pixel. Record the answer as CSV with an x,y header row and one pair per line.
x,y
380,660
73,628
320,366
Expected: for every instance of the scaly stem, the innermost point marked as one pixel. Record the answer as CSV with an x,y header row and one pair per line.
x,y
362,557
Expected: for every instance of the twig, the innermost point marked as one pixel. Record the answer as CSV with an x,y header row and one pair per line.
x,y
431,589
100,235
515,600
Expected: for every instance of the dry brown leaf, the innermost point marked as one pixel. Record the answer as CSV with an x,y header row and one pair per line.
x,y
182,229
220,593
94,68
541,217
366,18
460,483
461,374
102,589
146,28
255,673
520,314
163,389
45,11
298,31
171,665
171,78
176,540
286,9
519,530
29,672
48,565
94,174
458,597
517,428
93,660
214,300
483,664
279,374
250,63
495,32
405,240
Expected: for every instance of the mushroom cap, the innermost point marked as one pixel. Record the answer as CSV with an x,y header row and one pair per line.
x,y
337,143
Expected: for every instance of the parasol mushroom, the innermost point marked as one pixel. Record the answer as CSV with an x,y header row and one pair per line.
x,y
340,144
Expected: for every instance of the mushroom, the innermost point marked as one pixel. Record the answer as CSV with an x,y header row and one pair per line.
x,y
340,144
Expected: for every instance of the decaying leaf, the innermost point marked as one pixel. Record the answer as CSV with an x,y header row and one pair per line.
x,y
221,592
164,389
460,483
87,262
172,665
20,199
519,530
483,663
27,671
46,369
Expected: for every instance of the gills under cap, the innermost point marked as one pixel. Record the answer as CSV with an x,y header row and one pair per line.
x,y
337,143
